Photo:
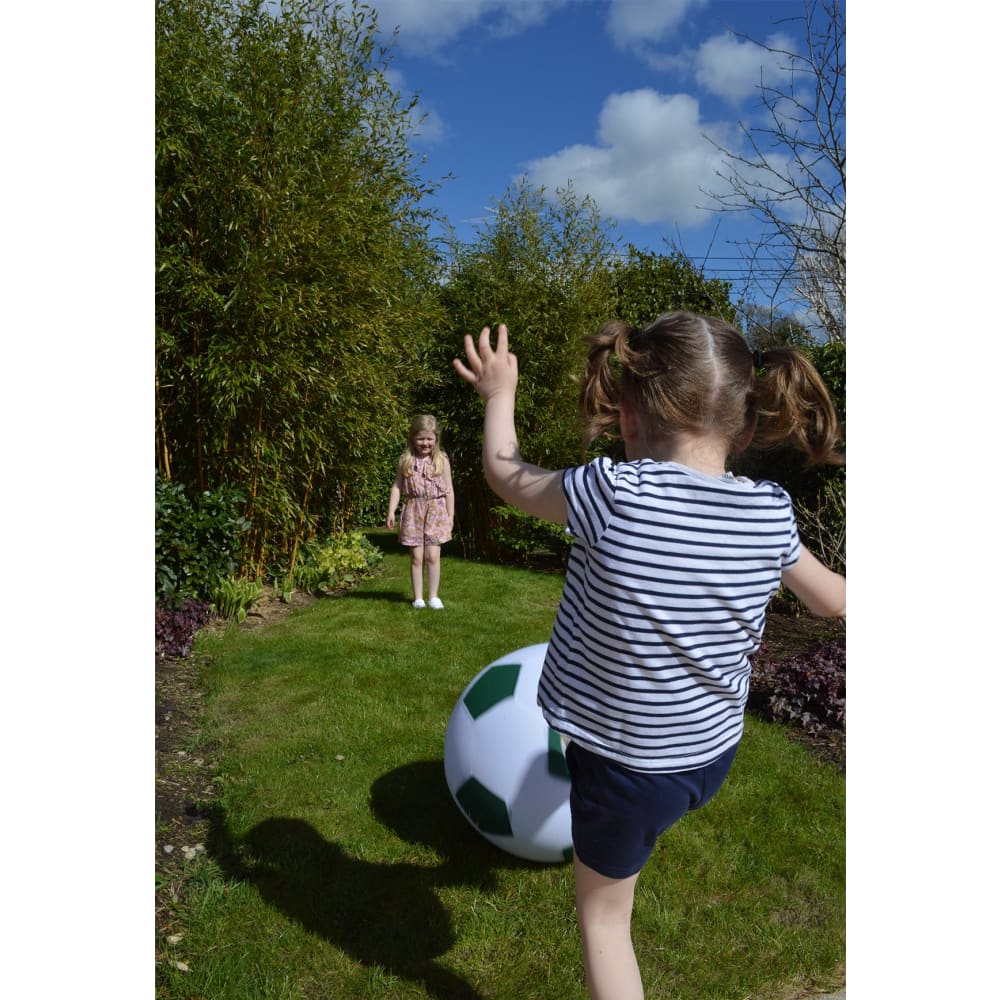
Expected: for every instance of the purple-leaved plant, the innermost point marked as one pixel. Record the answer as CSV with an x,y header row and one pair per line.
x,y
176,625
809,689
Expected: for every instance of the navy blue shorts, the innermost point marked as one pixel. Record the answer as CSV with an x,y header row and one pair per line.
x,y
618,814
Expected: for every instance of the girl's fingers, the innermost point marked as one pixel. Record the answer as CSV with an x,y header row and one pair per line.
x,y
478,360
470,350
463,371
485,349
475,367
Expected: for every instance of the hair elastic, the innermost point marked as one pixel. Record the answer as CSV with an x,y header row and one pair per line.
x,y
758,358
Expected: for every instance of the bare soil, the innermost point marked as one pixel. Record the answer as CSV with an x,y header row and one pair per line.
x,y
185,763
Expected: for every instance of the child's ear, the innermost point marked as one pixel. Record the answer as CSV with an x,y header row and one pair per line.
x,y
743,442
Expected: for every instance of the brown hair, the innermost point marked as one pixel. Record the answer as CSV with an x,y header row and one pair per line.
x,y
685,372
423,422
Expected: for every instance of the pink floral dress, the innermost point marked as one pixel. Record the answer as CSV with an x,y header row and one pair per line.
x,y
424,520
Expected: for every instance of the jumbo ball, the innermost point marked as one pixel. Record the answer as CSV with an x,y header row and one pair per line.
x,y
504,764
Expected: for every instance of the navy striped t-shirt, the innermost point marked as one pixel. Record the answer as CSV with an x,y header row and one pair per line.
x,y
669,576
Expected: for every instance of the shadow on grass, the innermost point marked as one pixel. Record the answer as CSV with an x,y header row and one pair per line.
x,y
387,541
414,802
386,915
384,596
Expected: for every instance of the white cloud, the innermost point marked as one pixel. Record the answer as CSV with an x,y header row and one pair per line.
x,y
640,23
425,26
425,126
429,128
650,163
731,68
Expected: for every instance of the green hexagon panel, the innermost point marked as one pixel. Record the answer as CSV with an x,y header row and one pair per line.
x,y
488,812
492,687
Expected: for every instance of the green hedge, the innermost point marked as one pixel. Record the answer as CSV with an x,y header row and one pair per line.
x,y
197,539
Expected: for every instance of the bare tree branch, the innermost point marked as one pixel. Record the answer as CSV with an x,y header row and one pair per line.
x,y
792,175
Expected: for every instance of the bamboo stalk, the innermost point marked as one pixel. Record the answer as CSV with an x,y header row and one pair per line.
x,y
302,510
161,421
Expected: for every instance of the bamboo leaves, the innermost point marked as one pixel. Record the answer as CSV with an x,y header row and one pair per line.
x,y
288,250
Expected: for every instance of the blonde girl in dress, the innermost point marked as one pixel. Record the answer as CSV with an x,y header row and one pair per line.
x,y
423,482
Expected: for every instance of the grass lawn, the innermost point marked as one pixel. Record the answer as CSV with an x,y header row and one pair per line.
x,y
337,866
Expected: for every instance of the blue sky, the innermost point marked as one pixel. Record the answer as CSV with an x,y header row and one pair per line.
x,y
618,95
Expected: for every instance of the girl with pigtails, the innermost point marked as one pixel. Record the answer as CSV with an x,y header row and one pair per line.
x,y
673,564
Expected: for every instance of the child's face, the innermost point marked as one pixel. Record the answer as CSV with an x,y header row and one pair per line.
x,y
423,443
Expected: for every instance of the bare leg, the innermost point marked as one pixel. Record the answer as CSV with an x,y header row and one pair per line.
x,y
417,571
604,912
432,557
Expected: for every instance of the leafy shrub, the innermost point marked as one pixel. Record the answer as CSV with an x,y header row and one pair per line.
x,y
176,625
808,689
235,596
197,541
339,561
283,586
523,535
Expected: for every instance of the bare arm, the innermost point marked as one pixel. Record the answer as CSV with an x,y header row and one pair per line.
x,y
493,374
821,590
449,500
394,495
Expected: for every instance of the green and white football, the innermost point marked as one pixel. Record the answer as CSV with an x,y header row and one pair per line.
x,y
505,766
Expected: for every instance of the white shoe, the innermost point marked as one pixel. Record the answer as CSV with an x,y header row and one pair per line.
x,y
418,603
435,603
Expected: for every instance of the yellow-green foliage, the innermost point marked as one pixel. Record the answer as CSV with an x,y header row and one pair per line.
x,y
235,596
342,559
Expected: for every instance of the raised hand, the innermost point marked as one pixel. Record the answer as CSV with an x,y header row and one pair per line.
x,y
490,372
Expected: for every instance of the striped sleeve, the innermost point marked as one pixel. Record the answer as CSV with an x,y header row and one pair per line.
x,y
590,495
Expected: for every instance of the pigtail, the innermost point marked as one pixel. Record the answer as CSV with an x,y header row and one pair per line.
x,y
793,406
600,386
685,372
